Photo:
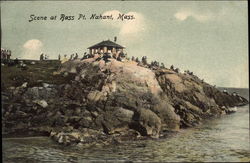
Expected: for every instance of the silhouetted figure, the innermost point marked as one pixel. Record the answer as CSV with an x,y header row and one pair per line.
x,y
177,70
84,56
106,57
76,56
144,60
16,61
59,57
119,58
172,67
41,57
157,64
162,65
137,60
133,58
8,55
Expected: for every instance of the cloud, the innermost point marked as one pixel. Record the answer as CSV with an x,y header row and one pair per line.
x,y
127,28
33,44
201,17
32,49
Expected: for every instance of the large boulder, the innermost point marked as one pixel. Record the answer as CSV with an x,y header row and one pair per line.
x,y
147,123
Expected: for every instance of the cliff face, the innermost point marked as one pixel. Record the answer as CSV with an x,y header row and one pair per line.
x,y
113,98
124,96
194,99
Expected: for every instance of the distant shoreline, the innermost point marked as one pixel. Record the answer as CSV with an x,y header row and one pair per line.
x,y
221,88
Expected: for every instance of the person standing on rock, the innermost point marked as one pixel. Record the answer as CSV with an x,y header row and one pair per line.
x,y
137,60
76,56
106,57
16,61
144,60
162,65
41,57
84,56
46,57
59,57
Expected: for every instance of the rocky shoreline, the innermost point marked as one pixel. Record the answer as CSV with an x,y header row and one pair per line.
x,y
110,102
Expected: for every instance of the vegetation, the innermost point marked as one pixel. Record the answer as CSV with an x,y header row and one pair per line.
x,y
34,74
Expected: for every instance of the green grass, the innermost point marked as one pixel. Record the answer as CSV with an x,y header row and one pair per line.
x,y
35,75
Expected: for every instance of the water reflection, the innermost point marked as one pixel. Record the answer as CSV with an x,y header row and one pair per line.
x,y
222,139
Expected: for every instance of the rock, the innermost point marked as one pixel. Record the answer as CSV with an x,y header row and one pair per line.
x,y
46,93
42,103
94,113
12,88
77,78
24,85
114,101
95,96
124,114
85,122
78,111
82,76
65,74
60,139
45,85
33,63
231,110
148,123
21,114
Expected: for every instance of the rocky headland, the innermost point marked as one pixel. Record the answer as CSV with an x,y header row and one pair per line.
x,y
98,102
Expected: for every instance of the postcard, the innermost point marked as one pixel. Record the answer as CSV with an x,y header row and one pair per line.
x,y
125,81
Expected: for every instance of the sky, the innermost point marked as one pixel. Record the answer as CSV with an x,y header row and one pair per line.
x,y
208,38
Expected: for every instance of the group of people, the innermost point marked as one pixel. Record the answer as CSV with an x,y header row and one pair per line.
x,y
121,57
5,55
86,56
144,63
43,57
177,70
74,56
188,72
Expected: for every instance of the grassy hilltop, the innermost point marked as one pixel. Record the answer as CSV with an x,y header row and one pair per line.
x,y
34,75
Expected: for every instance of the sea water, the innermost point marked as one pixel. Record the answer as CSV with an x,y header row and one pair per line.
x,y
220,139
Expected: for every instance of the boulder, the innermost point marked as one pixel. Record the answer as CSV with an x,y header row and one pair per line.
x,y
42,103
147,123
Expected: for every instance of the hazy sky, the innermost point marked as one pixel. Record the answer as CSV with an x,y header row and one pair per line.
x,y
208,38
